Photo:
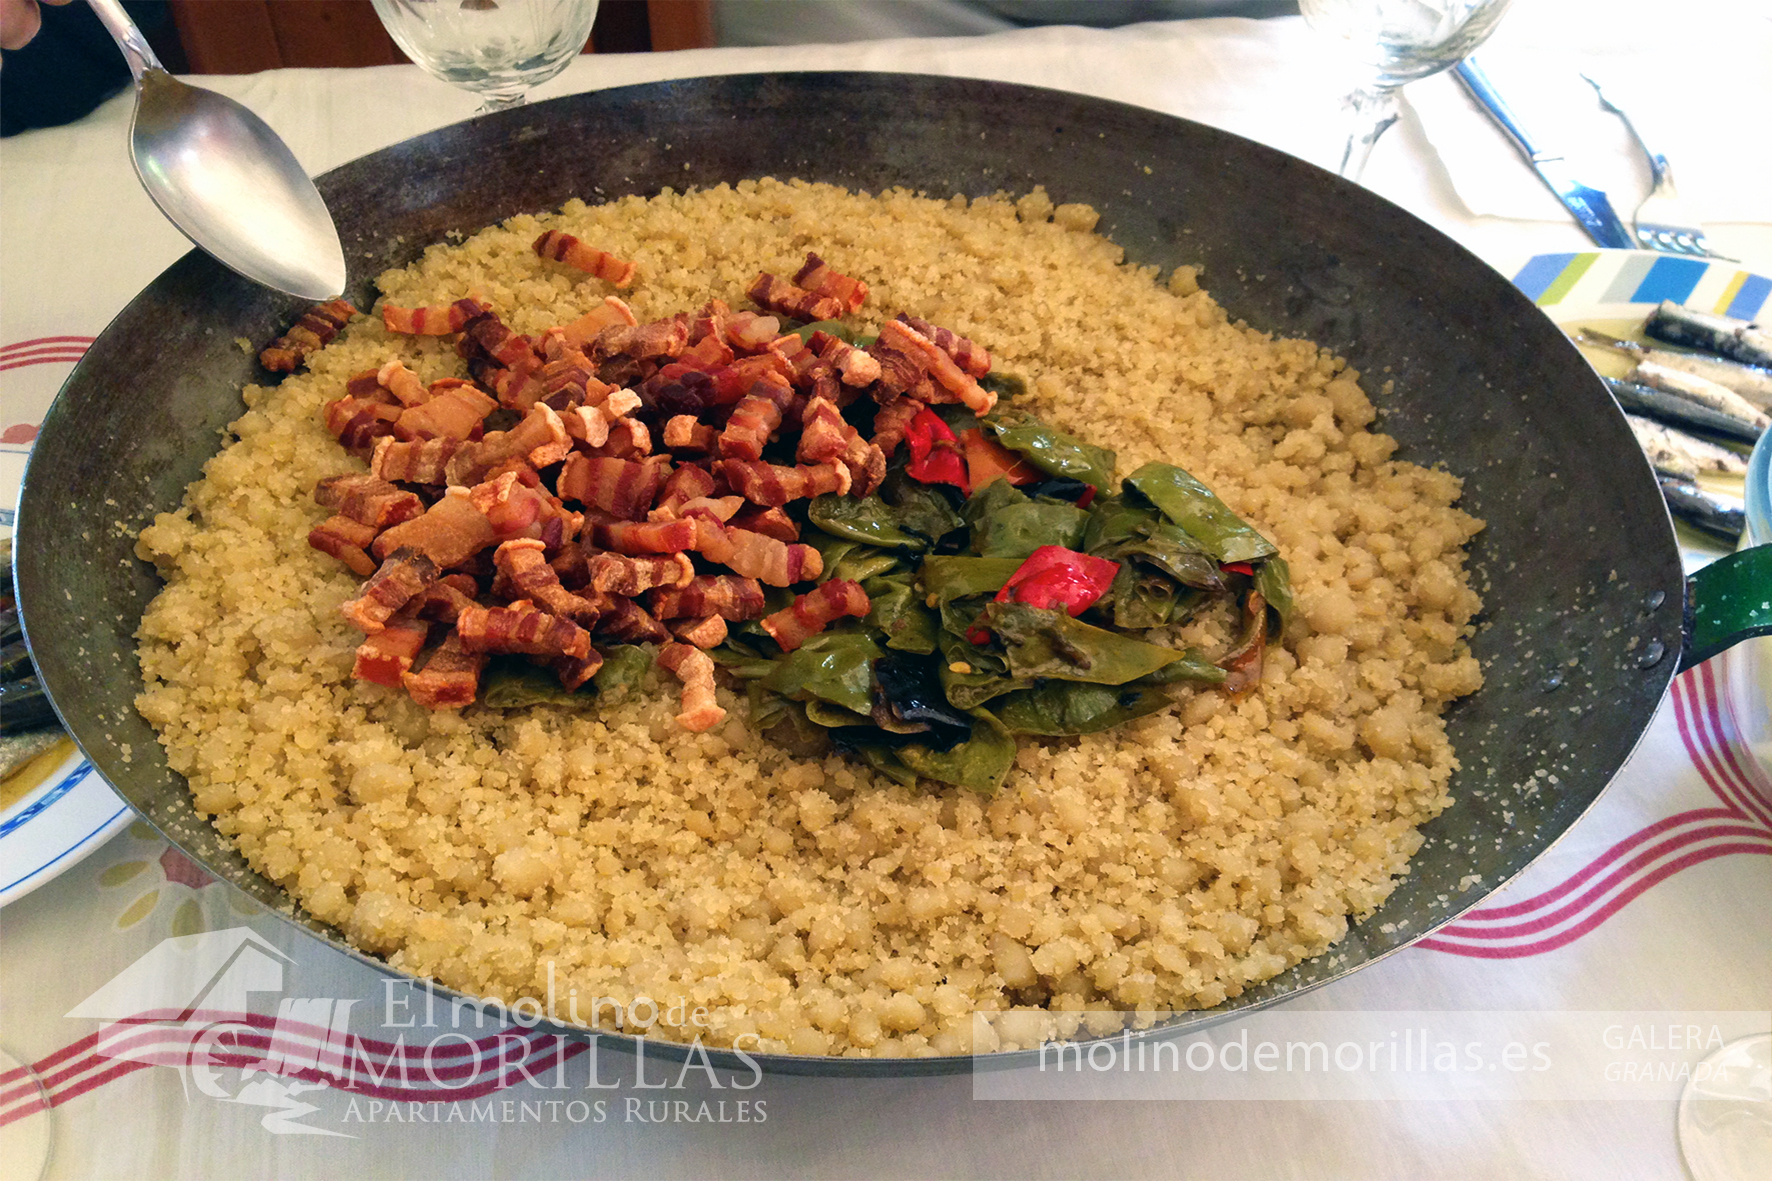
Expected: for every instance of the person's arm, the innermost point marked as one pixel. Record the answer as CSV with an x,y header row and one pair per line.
x,y
19,21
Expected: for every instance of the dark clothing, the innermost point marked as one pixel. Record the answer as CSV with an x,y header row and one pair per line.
x,y
69,67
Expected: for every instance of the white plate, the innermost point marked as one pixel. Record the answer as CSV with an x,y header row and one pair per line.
x,y
67,816
72,811
1598,286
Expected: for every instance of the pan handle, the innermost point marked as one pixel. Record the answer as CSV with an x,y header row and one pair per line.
x,y
1727,602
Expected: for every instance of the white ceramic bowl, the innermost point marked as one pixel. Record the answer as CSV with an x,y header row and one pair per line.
x,y
1748,666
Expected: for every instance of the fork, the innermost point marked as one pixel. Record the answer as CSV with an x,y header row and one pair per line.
x,y
1661,221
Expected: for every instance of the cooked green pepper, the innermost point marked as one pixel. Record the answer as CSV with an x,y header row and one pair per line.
x,y
1191,667
865,562
868,520
919,508
1071,707
885,760
1207,519
1052,451
1004,385
823,713
1007,523
1042,642
1273,580
834,328
624,665
898,612
512,682
949,577
981,763
972,675
833,666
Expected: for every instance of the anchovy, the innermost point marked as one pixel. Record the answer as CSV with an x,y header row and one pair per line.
x,y
1705,393
1736,339
18,749
1677,411
1678,453
1703,512
1751,382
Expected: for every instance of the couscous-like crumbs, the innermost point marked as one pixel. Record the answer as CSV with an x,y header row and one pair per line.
x,y
810,906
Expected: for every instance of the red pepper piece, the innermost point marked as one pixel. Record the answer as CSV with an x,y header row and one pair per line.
x,y
986,459
935,454
1053,576
1239,568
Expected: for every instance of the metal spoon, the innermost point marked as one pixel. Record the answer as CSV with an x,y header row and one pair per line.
x,y
224,178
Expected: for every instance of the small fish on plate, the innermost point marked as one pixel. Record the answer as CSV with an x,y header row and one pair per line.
x,y
1751,382
1700,510
1682,413
1680,454
1739,340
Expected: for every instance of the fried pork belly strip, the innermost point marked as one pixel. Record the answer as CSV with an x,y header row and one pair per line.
x,y
403,575
892,421
584,330
419,462
748,429
814,610
620,487
521,627
346,540
631,623
308,335
825,437
524,561
385,656
967,354
771,561
854,366
709,631
368,500
729,596
358,423
817,277
574,671
450,532
453,410
661,338
430,321
641,537
619,574
450,679
785,299
575,253
947,374
772,486
695,669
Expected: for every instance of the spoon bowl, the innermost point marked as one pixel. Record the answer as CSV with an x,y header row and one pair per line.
x,y
225,179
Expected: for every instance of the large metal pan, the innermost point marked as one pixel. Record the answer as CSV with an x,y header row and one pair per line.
x,y
1578,565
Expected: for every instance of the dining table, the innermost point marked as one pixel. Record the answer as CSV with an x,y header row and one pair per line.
x,y
1653,908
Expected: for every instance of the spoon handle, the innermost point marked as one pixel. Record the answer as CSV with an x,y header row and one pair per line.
x,y
129,39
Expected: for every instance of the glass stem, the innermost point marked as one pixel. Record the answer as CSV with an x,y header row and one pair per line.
x,y
1368,113
502,102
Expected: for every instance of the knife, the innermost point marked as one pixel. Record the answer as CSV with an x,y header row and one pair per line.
x,y
1589,206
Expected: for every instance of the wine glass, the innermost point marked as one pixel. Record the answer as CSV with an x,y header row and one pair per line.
x,y
1725,1115
1396,41
498,49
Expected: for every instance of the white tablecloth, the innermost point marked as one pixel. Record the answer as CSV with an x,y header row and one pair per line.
x,y
1657,901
